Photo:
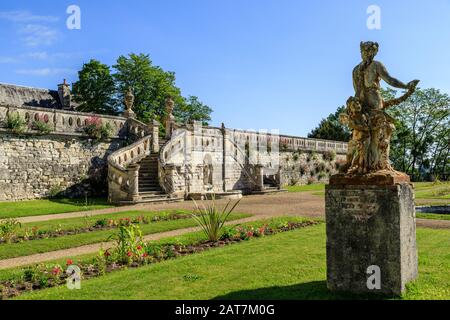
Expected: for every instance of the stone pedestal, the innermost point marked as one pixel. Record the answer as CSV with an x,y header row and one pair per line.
x,y
371,227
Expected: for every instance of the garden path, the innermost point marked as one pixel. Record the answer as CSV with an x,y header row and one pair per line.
x,y
281,204
93,248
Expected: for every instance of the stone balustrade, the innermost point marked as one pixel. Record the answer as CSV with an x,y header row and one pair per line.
x,y
61,121
123,170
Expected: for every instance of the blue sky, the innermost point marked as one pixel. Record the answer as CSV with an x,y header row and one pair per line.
x,y
259,64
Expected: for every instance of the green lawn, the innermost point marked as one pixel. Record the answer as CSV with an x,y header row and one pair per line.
x,y
318,188
45,245
426,192
433,216
289,265
49,206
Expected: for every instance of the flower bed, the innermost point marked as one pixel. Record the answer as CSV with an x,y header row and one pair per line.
x,y
100,225
132,252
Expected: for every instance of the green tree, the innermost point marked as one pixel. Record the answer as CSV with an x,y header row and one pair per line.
x,y
331,128
95,89
151,86
420,144
193,110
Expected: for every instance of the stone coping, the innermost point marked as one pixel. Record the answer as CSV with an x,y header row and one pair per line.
x,y
56,133
69,112
379,178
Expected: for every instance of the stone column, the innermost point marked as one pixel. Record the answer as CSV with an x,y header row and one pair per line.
x,y
133,175
371,233
259,170
224,157
154,128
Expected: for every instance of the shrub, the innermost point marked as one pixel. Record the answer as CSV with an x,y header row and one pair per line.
x,y
321,175
129,243
54,192
311,180
211,220
329,155
95,129
101,223
41,125
15,123
8,229
228,233
320,167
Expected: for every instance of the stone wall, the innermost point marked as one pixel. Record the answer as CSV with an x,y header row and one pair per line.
x,y
232,159
307,167
34,166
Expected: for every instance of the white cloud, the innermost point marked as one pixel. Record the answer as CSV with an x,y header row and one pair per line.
x,y
25,17
43,72
34,35
42,55
8,60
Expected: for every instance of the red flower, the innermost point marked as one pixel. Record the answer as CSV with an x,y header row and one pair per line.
x,y
69,262
145,254
56,270
139,248
129,253
249,234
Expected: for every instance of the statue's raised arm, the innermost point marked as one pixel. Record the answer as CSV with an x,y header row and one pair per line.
x,y
384,74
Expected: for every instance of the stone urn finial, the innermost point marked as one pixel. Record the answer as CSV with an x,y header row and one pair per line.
x,y
169,105
129,101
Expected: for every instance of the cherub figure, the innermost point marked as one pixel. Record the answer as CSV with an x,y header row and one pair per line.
x,y
358,146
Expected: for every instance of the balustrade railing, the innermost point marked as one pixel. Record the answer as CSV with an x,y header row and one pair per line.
x,y
61,121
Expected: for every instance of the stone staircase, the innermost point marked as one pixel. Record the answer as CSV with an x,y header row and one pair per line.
x,y
149,188
270,186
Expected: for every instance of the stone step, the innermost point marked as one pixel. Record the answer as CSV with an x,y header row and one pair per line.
x,y
154,188
156,200
149,187
268,191
149,178
149,193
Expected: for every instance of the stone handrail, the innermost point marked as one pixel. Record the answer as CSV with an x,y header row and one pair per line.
x,y
309,144
123,168
138,129
292,143
62,121
166,169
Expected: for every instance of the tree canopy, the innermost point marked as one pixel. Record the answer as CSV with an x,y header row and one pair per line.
x,y
99,91
421,143
95,89
331,128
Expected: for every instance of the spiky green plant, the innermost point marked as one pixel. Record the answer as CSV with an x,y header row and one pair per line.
x,y
211,220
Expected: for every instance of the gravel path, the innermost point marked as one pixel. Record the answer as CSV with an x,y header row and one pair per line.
x,y
92,248
289,203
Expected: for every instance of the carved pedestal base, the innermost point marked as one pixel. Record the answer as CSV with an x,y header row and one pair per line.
x,y
371,233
